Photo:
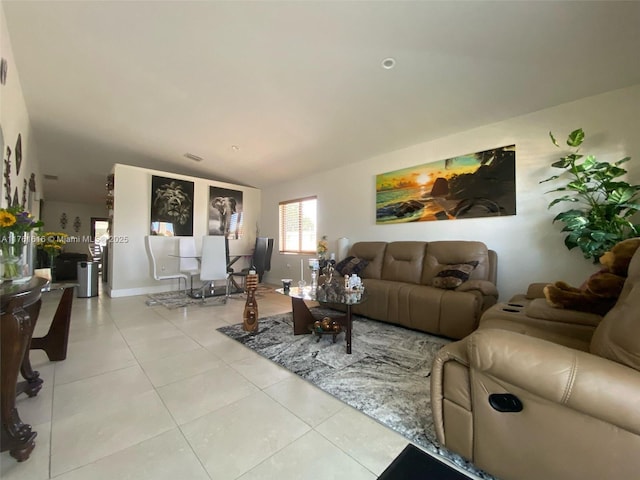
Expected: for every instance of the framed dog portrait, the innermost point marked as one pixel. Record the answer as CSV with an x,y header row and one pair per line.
x,y
225,212
171,207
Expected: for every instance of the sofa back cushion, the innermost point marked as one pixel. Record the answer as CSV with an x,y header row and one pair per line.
x,y
441,254
618,335
373,253
403,262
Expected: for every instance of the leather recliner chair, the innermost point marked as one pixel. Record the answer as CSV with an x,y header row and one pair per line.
x,y
524,403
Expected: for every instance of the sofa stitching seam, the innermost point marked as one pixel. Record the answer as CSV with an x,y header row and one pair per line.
x,y
571,381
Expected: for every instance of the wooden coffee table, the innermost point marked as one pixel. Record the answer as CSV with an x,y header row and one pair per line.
x,y
303,320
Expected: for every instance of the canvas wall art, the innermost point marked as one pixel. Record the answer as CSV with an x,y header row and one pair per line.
x,y
171,207
481,184
225,212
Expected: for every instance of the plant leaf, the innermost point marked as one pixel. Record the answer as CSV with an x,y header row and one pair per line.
x,y
578,186
569,214
575,138
553,139
624,160
559,189
590,162
549,179
565,198
621,195
562,163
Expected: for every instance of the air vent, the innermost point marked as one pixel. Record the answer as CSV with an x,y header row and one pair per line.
x,y
193,157
51,177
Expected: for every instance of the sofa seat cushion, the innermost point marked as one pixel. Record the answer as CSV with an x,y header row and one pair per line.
x,y
421,307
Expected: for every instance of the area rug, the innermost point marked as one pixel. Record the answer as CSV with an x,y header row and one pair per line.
x,y
179,299
385,377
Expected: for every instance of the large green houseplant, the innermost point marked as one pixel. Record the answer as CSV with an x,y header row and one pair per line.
x,y
604,204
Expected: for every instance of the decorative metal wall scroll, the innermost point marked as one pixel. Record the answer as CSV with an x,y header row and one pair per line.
x,y
18,154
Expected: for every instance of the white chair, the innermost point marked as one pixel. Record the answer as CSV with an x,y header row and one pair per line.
x,y
165,263
213,263
189,261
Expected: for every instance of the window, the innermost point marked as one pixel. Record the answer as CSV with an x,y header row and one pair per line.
x,y
298,225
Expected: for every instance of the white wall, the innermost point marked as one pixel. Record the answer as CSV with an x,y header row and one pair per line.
x,y
529,247
14,120
129,267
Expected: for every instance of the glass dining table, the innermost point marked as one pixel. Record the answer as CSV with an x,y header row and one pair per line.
x,y
233,258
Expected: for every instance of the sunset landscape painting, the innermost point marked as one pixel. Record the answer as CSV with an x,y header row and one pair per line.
x,y
478,184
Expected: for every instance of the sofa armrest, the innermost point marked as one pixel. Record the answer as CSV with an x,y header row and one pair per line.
x,y
455,352
584,382
485,287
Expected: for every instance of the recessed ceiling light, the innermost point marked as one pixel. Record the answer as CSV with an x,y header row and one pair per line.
x,y
388,63
191,156
50,177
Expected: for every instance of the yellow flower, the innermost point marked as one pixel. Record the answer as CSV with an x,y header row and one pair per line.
x,y
6,219
323,245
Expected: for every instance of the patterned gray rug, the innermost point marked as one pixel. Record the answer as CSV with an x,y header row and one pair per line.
x,y
385,377
179,299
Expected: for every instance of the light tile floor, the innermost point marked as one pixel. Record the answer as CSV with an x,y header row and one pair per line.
x,y
152,393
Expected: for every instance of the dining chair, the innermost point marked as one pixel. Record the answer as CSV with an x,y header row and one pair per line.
x,y
163,260
213,263
189,260
260,262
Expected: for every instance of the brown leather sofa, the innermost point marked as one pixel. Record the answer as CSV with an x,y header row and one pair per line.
x,y
578,401
398,284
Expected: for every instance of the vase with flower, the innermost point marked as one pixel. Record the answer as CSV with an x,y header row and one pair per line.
x,y
16,225
323,248
52,243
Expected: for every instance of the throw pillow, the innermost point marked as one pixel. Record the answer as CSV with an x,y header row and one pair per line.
x,y
452,276
351,265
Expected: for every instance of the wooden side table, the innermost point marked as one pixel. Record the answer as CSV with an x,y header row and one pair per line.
x,y
20,306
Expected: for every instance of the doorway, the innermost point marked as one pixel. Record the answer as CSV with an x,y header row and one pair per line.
x,y
100,231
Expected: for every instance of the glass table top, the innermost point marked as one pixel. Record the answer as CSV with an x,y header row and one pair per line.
x,y
307,293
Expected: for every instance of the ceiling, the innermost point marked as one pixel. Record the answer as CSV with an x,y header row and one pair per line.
x,y
297,87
